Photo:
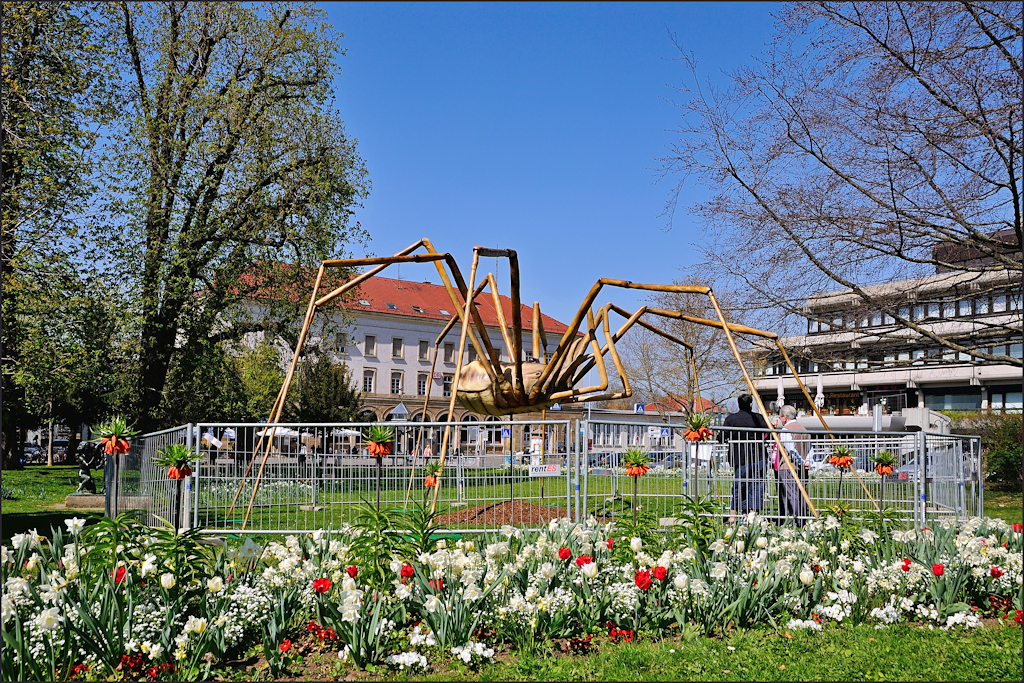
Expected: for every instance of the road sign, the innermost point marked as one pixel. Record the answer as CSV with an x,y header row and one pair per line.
x,y
545,470
557,406
638,408
506,432
666,432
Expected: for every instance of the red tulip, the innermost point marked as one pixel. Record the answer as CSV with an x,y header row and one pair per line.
x,y
322,585
938,569
286,645
996,572
407,571
1018,528
564,554
119,574
660,573
610,541
906,565
583,559
352,571
437,585
643,579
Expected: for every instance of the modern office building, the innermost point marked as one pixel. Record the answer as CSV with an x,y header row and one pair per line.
x,y
864,358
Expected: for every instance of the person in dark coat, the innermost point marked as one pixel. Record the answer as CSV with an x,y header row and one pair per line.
x,y
747,456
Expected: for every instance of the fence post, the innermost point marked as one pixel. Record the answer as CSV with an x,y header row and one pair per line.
x,y
576,471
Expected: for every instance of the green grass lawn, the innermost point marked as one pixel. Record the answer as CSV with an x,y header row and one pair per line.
x,y
37,490
1006,505
899,653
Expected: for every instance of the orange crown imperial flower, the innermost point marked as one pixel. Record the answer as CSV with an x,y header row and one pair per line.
x,y
114,435
636,461
698,427
378,438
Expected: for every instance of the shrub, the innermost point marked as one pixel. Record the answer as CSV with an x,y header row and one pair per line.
x,y
1000,444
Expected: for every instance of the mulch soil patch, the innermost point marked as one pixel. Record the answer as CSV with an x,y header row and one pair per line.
x,y
514,512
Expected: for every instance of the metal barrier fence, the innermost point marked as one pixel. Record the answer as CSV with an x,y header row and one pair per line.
x,y
320,475
134,483
935,474
526,473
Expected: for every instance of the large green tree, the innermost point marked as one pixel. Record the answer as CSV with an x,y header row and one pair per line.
x,y
324,392
52,100
229,156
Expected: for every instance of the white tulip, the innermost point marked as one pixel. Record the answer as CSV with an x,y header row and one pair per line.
x,y
216,584
739,545
806,576
636,544
167,581
590,570
858,566
680,582
762,542
730,532
149,565
32,563
548,571
195,625
720,570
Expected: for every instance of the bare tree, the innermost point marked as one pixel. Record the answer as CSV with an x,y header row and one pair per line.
x,y
871,143
659,368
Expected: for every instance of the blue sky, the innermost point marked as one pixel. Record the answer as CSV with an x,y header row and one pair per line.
x,y
536,127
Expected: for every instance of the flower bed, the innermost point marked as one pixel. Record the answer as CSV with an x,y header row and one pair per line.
x,y
121,600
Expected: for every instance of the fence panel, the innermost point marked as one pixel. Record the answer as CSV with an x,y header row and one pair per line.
x,y
739,471
137,485
319,476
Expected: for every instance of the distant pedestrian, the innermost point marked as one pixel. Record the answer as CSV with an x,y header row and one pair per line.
x,y
747,456
797,442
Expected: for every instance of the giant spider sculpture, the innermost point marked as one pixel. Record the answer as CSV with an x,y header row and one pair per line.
x,y
493,387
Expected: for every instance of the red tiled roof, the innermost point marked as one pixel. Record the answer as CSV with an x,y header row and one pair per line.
x,y
432,299
404,295
684,403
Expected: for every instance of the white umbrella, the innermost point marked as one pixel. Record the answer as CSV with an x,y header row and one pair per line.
x,y
819,398
780,399
344,432
279,432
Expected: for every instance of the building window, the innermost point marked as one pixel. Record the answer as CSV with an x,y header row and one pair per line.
x,y
368,381
340,345
876,318
421,384
448,379
889,359
370,346
948,354
470,355
948,309
449,352
919,312
391,307
964,356
397,347
981,306
1015,302
862,363
918,357
999,304
999,350
889,320
837,322
424,350
1015,350
396,383
903,355
863,322
964,307
418,309
904,312
812,326
933,310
